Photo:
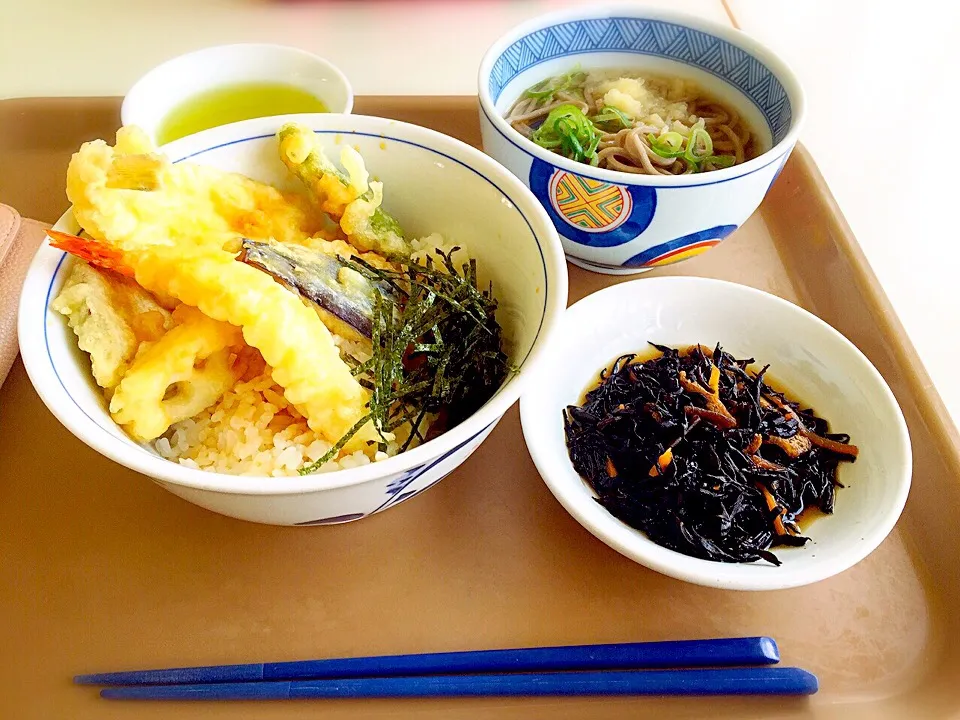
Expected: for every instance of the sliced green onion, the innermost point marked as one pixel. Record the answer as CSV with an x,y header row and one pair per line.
x,y
567,130
592,150
552,85
608,113
549,142
720,161
699,146
667,145
546,88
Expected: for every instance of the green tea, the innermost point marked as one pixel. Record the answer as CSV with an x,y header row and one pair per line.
x,y
232,103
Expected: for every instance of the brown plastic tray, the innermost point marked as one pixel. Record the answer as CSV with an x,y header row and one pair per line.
x,y
103,570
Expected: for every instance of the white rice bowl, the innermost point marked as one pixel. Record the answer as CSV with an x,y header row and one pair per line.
x,y
432,184
253,430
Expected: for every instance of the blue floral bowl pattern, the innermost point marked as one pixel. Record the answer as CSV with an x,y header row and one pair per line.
x,y
622,223
651,37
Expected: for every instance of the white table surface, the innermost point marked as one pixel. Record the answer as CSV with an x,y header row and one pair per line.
x,y
880,78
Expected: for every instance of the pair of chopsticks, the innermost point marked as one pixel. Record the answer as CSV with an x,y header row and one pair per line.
x,y
725,666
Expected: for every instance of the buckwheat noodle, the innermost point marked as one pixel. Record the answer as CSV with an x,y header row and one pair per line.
x,y
628,149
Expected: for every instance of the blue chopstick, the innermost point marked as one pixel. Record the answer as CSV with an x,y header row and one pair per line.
x,y
718,652
725,681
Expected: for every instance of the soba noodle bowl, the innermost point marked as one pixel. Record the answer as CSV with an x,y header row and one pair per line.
x,y
631,122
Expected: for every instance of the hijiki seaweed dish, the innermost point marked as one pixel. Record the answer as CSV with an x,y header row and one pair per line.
x,y
237,328
703,455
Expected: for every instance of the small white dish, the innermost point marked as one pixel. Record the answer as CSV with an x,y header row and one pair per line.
x,y
162,89
813,361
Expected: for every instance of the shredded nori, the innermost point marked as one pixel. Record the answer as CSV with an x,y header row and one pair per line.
x,y
699,453
437,351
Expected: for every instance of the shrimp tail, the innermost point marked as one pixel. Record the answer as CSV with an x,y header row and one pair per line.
x,y
95,252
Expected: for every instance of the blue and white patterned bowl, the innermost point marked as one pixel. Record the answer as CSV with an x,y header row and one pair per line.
x,y
621,223
432,183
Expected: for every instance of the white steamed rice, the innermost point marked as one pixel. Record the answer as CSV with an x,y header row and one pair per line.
x,y
253,430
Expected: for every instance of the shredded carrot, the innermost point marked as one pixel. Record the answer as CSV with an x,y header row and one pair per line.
x,y
714,381
771,502
611,470
778,526
663,462
771,506
754,445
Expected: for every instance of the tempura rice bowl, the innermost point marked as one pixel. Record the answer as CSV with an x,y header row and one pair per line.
x,y
434,184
